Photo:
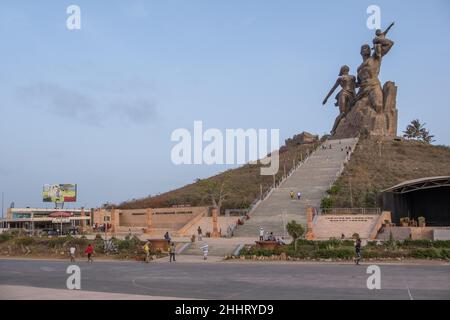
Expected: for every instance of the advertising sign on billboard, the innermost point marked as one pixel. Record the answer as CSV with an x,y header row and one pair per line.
x,y
59,193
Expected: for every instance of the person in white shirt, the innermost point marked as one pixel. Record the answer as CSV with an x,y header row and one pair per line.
x,y
72,251
261,234
205,251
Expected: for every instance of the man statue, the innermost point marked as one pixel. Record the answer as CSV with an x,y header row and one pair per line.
x,y
345,97
368,71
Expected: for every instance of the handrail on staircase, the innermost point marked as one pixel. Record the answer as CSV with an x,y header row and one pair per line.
x,y
266,194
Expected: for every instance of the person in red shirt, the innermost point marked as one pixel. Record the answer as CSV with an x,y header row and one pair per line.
x,y
89,250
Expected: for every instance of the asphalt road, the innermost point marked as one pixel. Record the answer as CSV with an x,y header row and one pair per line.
x,y
233,280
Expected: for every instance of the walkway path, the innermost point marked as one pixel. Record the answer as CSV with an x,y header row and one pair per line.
x,y
312,179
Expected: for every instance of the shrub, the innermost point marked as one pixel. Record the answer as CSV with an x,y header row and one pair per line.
x,y
326,203
253,251
81,242
99,247
334,189
441,244
301,242
417,244
133,243
341,253
376,254
301,253
445,253
5,237
26,241
57,242
372,244
306,247
429,253
330,244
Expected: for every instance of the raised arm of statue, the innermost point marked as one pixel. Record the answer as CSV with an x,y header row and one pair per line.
x,y
389,28
336,85
382,48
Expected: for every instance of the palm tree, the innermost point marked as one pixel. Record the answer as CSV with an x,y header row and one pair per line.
x,y
427,137
413,130
417,131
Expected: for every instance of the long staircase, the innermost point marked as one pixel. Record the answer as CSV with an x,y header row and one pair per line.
x,y
313,178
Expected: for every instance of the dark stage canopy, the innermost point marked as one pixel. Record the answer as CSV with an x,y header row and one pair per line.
x,y
427,197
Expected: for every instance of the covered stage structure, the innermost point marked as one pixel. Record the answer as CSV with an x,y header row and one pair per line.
x,y
426,197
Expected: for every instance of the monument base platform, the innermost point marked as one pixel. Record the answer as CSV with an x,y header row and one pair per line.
x,y
363,119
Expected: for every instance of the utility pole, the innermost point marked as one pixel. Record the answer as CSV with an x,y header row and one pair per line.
x,y
351,194
3,198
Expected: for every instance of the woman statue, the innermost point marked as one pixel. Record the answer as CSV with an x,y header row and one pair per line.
x,y
345,97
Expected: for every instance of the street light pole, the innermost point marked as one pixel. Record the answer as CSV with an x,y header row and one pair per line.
x,y
3,196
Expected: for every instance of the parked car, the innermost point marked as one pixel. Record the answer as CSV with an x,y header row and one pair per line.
x,y
50,232
72,231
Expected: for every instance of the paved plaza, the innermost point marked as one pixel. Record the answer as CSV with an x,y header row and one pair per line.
x,y
214,279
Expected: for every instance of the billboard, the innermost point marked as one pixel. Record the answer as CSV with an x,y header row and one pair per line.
x,y
59,193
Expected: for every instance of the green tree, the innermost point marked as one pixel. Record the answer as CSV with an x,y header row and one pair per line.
x,y
427,137
296,231
215,190
417,131
326,203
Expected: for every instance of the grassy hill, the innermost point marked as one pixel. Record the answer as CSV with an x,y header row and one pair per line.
x,y
244,184
368,173
364,177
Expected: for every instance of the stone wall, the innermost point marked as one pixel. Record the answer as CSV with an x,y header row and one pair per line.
x,y
171,219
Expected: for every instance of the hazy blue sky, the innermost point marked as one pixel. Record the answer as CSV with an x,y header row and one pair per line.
x,y
97,106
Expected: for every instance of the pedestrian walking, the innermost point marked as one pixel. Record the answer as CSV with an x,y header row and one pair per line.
x,y
147,252
205,251
299,195
200,234
261,234
292,195
89,251
357,251
167,237
72,251
172,252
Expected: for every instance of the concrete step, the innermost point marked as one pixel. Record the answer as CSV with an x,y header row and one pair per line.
x,y
313,178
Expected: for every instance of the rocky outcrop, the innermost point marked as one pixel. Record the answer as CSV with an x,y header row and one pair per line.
x,y
362,118
302,138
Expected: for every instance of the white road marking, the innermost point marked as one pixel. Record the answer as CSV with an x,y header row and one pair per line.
x,y
409,293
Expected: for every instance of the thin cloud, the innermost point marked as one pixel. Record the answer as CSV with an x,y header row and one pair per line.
x,y
136,111
74,105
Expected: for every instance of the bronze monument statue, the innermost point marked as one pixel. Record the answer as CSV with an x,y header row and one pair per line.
x,y
345,97
373,108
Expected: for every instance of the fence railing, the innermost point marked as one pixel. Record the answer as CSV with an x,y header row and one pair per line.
x,y
339,211
268,192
